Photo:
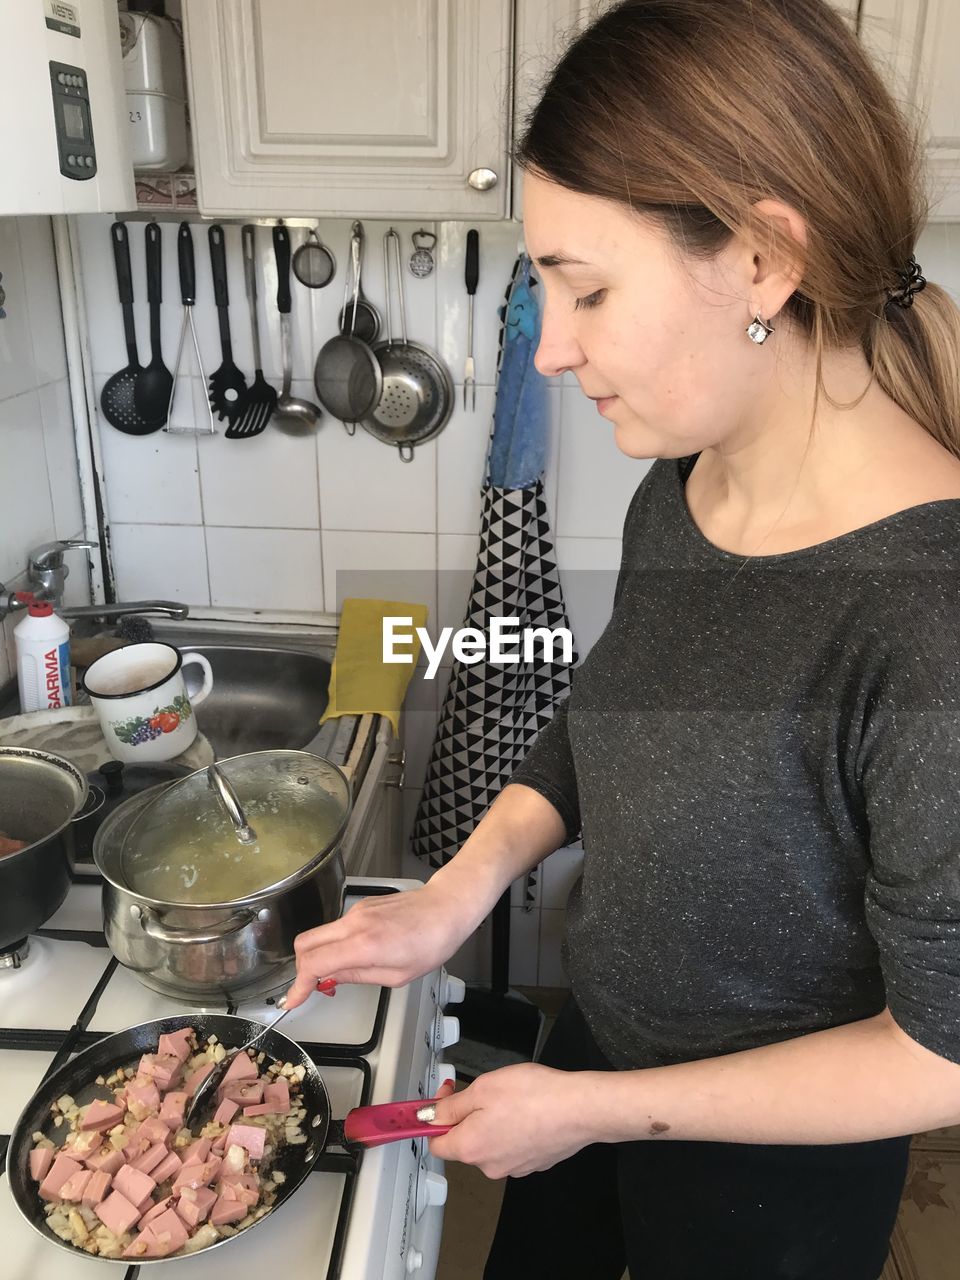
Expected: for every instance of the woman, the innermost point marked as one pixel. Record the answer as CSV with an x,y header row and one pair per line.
x,y
762,750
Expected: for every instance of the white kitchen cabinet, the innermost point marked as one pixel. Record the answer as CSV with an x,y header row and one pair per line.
x,y
374,109
915,43
544,29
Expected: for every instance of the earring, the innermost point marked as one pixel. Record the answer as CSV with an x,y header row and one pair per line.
x,y
759,332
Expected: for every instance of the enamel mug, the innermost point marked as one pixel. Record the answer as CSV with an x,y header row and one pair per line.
x,y
141,700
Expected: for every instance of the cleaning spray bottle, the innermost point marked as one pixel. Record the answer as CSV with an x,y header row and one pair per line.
x,y
43,657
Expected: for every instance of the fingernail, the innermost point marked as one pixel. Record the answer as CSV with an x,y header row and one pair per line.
x,y
427,1115
282,1003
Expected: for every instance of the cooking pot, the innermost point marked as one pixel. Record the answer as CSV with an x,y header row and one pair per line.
x,y
109,786
40,796
199,911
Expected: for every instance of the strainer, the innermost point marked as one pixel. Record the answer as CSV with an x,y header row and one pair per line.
x,y
417,397
347,373
313,263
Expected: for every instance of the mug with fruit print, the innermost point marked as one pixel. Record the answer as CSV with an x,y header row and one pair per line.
x,y
141,700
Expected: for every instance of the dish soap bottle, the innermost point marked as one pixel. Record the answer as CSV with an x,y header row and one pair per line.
x,y
43,657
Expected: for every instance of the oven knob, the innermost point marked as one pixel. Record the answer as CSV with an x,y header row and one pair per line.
x,y
453,990
448,1032
431,1190
440,1073
61,78
414,1261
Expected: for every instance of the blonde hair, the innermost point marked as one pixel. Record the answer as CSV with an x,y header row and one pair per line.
x,y
690,111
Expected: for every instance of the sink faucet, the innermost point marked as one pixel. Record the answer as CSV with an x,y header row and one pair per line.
x,y
47,575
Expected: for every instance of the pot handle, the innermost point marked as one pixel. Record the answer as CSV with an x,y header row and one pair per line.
x,y
154,927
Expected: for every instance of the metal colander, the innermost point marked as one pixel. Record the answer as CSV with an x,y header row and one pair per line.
x,y
417,397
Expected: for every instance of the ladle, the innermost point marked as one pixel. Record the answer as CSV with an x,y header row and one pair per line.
x,y
293,416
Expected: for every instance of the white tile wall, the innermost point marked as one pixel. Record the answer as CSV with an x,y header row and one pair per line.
x,y
38,458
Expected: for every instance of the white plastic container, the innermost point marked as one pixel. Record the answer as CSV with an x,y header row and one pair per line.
x,y
153,76
152,56
43,659
158,132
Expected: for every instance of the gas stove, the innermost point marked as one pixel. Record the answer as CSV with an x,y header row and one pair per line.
x,y
373,1215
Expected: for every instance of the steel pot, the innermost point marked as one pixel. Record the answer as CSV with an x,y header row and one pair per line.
x,y
40,796
202,952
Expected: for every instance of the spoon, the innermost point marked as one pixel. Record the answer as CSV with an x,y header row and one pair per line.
x,y
212,1081
151,393
293,416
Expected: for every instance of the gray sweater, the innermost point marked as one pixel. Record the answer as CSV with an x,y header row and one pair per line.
x,y
765,766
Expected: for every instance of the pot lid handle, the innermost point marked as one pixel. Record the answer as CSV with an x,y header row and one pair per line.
x,y
220,786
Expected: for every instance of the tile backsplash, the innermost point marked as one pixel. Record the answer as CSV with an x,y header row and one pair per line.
x,y
38,457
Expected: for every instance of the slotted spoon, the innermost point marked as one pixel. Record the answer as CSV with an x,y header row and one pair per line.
x,y
117,399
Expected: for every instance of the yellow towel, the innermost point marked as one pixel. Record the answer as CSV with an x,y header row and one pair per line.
x,y
360,681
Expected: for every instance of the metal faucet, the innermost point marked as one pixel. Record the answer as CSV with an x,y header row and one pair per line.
x,y
47,574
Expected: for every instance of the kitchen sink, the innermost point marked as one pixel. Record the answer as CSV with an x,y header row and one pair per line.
x,y
269,691
262,698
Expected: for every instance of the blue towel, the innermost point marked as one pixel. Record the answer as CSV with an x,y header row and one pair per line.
x,y
518,450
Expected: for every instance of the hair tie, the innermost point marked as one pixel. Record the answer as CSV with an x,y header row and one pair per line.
x,y
911,283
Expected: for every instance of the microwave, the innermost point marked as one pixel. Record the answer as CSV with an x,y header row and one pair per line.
x,y
63,146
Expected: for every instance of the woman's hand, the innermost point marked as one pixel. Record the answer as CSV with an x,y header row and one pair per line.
x,y
387,940
516,1120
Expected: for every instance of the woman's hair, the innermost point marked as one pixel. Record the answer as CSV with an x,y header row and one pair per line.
x,y
690,111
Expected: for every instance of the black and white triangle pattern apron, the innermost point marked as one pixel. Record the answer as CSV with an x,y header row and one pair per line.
x,y
492,713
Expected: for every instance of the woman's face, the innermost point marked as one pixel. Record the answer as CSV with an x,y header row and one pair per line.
x,y
659,344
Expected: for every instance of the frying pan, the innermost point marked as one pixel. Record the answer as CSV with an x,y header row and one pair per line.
x,y
364,1126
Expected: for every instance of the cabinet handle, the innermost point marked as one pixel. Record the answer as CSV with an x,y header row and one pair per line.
x,y
482,179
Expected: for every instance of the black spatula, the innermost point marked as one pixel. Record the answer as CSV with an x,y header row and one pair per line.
x,y
228,387
154,383
117,399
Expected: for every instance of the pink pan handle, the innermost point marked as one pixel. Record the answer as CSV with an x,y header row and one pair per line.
x,y
391,1122
327,987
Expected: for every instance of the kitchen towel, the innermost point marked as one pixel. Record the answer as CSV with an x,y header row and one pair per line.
x,y
492,713
360,680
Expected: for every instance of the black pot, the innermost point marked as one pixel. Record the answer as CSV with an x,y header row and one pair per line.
x,y
40,795
109,786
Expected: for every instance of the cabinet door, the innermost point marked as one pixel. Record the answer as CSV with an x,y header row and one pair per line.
x,y
544,29
915,42
543,32
371,110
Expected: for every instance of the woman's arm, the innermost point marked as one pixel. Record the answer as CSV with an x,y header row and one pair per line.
x,y
855,1083
516,833
393,939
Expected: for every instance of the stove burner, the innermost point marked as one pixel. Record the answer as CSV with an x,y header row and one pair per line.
x,y
12,957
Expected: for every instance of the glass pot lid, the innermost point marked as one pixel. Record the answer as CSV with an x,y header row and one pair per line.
x,y
236,829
